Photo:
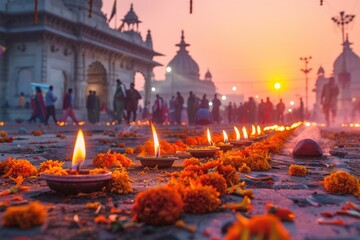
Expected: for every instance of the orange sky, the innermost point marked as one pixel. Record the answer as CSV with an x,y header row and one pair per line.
x,y
248,43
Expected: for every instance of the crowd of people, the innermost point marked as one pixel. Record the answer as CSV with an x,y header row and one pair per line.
x,y
196,111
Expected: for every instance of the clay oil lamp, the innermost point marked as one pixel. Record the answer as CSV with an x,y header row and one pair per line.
x,y
77,180
204,151
246,140
225,146
238,142
156,159
257,134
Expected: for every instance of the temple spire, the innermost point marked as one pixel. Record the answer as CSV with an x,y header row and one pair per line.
x,y
182,45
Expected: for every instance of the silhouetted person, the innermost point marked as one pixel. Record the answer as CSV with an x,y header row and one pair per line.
x,y
191,108
21,100
280,108
268,111
38,106
261,110
133,97
216,109
329,100
179,102
172,110
90,107
204,102
251,110
50,100
97,107
119,100
158,109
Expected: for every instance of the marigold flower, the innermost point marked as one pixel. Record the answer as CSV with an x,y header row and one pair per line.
x,y
98,171
297,170
120,182
17,167
27,216
129,150
201,199
191,161
55,170
158,206
244,168
3,133
106,160
37,133
229,173
341,182
215,180
262,226
93,205
47,165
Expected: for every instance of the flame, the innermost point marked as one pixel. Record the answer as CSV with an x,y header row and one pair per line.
x,y
156,141
253,130
2,123
237,134
209,137
226,139
79,151
245,133
258,130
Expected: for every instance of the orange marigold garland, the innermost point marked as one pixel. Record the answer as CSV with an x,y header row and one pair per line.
x,y
98,171
201,199
244,168
31,215
297,170
17,167
108,159
56,170
215,180
342,182
191,161
158,206
120,182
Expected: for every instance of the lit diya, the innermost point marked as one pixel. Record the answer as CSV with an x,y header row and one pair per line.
x,y
225,146
78,180
204,151
257,134
241,142
156,160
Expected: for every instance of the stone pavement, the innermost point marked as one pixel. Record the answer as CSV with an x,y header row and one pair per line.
x,y
305,196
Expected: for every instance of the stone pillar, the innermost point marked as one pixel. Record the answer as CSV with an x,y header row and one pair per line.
x,y
80,79
147,87
3,83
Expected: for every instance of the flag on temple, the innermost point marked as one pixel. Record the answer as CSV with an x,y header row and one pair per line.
x,y
2,49
113,11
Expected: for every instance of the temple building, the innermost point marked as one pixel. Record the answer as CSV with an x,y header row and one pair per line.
x,y
346,72
183,75
68,45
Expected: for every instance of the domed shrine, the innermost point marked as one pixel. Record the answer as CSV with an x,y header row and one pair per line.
x,y
183,75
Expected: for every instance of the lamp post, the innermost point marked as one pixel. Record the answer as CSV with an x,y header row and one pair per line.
x,y
306,70
169,70
342,21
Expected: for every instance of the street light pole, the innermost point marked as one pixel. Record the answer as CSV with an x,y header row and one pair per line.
x,y
342,21
306,70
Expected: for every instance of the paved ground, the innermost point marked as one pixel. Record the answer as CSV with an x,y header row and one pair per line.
x,y
305,196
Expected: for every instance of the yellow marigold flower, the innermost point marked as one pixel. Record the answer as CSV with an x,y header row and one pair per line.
x,y
341,182
201,199
120,182
17,167
93,205
3,133
158,206
129,150
191,161
56,170
229,173
49,164
244,168
27,216
98,171
262,227
215,180
297,170
106,160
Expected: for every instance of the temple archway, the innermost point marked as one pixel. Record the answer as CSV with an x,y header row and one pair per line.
x,y
96,81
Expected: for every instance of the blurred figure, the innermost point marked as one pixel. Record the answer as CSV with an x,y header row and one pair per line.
x,y
229,111
179,102
301,110
172,110
329,95
97,107
68,108
50,100
21,100
268,111
261,109
204,102
280,108
191,108
90,107
158,110
119,101
216,109
203,116
133,97
39,110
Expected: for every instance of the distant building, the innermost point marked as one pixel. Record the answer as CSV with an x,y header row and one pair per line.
x,y
347,76
68,49
183,75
